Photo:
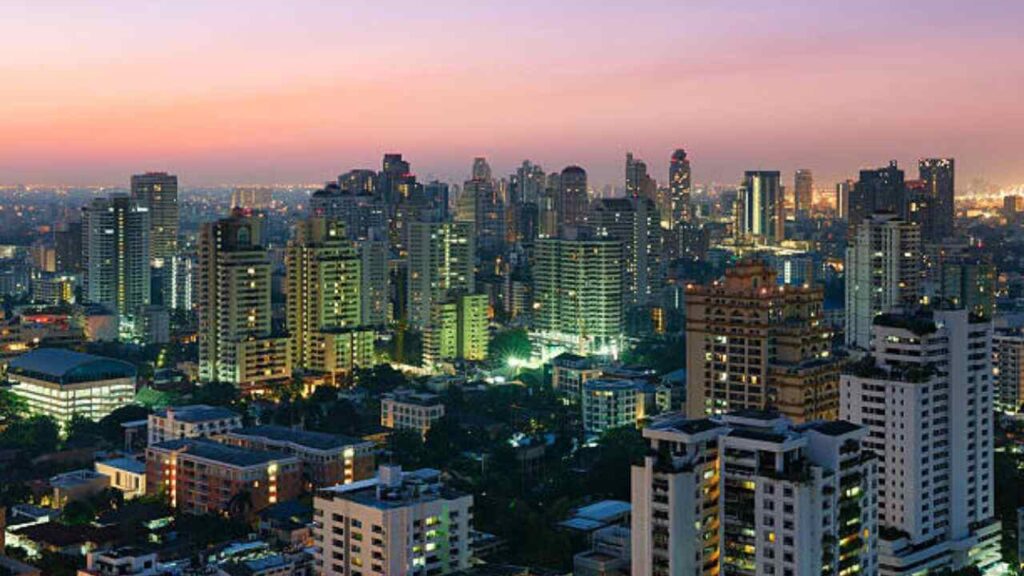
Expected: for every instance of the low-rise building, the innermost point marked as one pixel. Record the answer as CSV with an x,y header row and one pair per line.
x,y
408,410
127,475
200,475
569,372
327,459
75,486
124,561
195,421
609,404
62,384
397,523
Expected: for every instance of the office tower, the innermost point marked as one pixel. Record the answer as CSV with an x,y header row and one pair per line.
x,y
115,254
236,340
437,196
969,282
252,197
679,188
925,394
572,200
488,210
457,330
359,181
158,191
803,192
1008,369
441,256
760,214
528,183
751,344
399,523
376,279
358,211
68,247
751,494
578,291
636,224
883,268
938,175
638,182
881,190
324,301
843,191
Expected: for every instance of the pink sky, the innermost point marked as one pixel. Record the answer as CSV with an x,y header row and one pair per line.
x,y
232,91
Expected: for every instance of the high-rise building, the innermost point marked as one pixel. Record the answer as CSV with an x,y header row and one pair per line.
x,y
528,184
751,344
158,191
488,210
359,181
938,177
639,183
183,280
457,330
803,192
578,291
1008,369
883,268
572,199
398,523
394,172
679,188
969,282
635,223
252,197
324,300
761,208
751,494
881,190
441,261
115,253
376,278
236,339
926,396
359,211
68,247
843,191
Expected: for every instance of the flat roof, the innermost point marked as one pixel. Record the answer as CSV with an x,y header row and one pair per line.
x,y
126,464
309,439
217,452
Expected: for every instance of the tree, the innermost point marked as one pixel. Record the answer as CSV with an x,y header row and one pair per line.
x,y
12,407
215,394
513,343
82,431
35,435
445,440
110,425
380,379
405,448
617,450
78,513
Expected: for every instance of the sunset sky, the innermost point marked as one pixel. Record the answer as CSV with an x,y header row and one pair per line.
x,y
273,92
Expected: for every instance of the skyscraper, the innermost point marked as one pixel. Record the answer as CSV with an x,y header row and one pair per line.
x,y
679,188
938,175
843,191
881,190
324,300
925,394
760,214
457,330
751,344
376,279
751,494
115,253
158,191
359,211
803,192
638,182
572,200
635,223
488,210
394,171
578,291
440,262
236,339
883,268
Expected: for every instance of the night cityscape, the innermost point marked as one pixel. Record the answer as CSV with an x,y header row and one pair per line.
x,y
512,289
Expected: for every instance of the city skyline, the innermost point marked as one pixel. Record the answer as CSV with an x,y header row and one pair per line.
x,y
299,93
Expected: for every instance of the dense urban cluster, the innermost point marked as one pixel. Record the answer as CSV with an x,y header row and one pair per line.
x,y
513,375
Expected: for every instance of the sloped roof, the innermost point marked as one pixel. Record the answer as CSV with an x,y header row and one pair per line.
x,y
66,366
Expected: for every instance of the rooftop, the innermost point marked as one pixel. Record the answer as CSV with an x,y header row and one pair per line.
x,y
230,455
833,427
125,464
68,367
196,413
315,440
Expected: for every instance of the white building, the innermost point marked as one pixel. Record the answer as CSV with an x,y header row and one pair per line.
x,y
926,395
195,421
397,523
408,410
748,493
883,263
1008,369
125,561
127,475
611,404
62,384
